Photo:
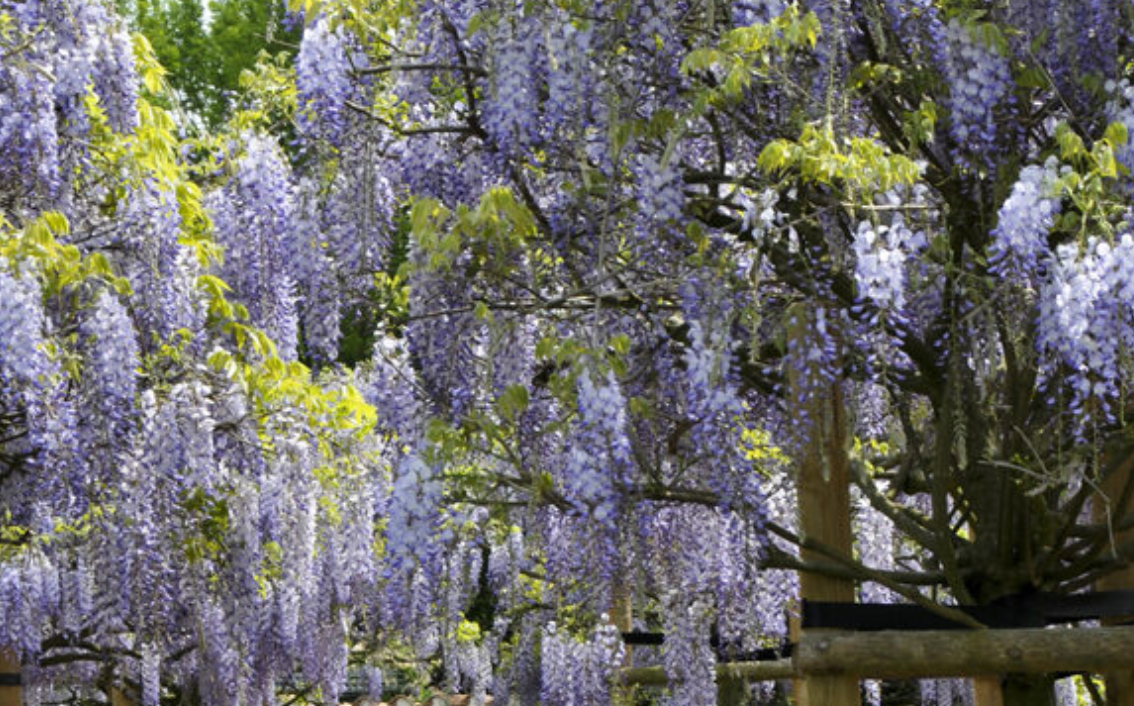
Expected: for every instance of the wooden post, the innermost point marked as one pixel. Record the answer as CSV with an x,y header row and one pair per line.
x,y
987,691
622,616
10,694
1119,684
119,697
730,689
823,489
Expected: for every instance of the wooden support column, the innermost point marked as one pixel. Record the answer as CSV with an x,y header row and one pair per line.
x,y
118,697
730,689
987,691
10,694
823,489
1119,684
622,617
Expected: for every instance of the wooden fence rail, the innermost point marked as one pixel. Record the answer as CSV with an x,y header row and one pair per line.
x,y
935,653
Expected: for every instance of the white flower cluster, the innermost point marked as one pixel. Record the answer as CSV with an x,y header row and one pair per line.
x,y
1025,219
880,263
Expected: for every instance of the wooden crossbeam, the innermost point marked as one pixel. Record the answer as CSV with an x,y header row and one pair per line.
x,y
947,653
900,654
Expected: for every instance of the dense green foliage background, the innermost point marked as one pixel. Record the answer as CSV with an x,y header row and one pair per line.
x,y
205,48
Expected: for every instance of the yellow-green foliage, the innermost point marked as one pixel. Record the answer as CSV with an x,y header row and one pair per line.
x,y
860,164
759,449
747,52
269,98
1090,182
63,271
36,250
496,228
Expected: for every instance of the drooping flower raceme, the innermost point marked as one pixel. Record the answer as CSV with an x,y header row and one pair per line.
x,y
113,359
577,672
254,218
569,79
879,266
511,111
713,405
1086,319
116,79
323,82
599,460
1025,218
414,519
980,80
688,657
162,270
23,361
660,195
29,139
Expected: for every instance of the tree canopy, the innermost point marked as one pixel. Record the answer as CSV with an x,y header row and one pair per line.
x,y
205,48
480,331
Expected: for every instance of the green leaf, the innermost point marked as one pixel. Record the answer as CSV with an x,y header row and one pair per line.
x,y
545,348
620,344
1116,134
1107,165
777,155
57,222
1070,144
513,402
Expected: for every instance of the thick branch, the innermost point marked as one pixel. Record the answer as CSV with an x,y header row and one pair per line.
x,y
868,574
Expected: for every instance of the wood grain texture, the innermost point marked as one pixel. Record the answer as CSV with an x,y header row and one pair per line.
x,y
10,695
1119,684
956,653
823,491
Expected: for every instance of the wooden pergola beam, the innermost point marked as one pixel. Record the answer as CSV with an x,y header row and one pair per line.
x,y
917,654
893,654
